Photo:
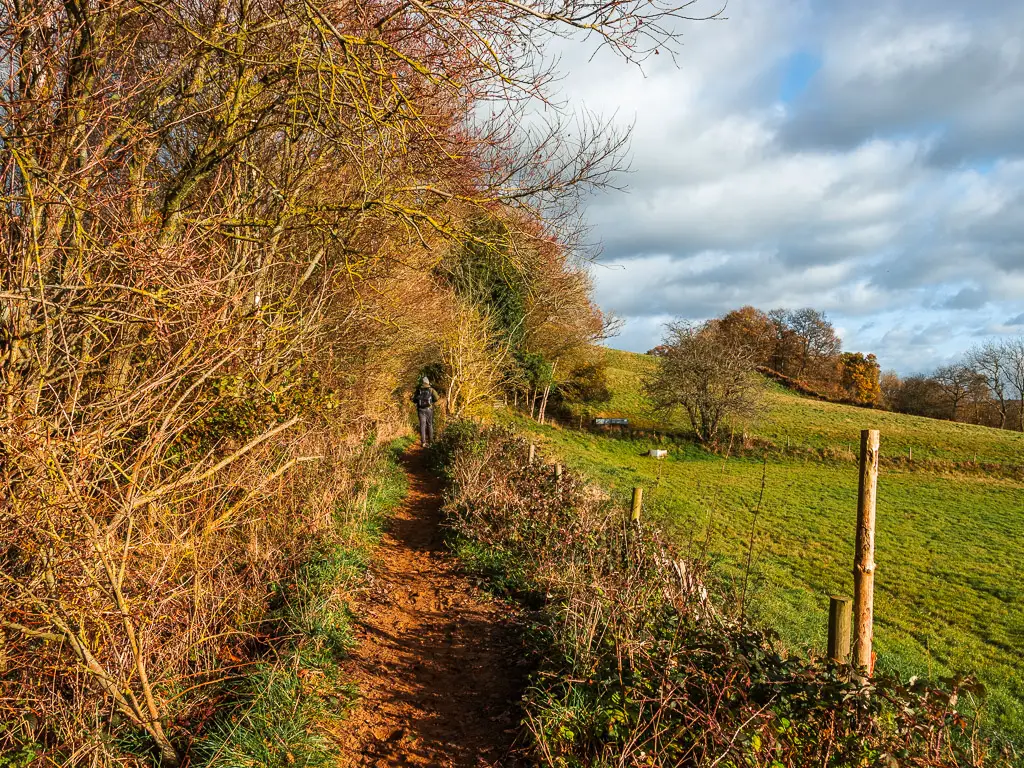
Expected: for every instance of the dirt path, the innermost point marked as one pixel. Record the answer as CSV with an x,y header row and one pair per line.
x,y
436,663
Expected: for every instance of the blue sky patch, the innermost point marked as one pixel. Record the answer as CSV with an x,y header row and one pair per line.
x,y
798,69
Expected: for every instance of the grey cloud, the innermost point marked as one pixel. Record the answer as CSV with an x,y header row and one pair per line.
x,y
912,348
670,291
967,298
641,335
903,68
932,334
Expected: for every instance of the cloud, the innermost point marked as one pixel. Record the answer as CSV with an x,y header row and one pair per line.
x,y
967,298
941,69
861,158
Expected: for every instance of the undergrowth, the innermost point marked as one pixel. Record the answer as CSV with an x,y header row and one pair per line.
x,y
284,704
638,664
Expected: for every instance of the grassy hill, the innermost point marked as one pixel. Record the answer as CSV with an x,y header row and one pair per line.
x,y
948,593
800,421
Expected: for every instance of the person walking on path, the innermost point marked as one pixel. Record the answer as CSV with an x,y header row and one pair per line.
x,y
425,397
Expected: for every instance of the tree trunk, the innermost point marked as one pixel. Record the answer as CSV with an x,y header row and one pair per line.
x,y
169,756
547,390
543,404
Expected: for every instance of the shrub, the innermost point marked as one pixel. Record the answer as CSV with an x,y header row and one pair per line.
x,y
714,383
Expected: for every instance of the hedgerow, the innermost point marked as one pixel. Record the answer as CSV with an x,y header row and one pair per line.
x,y
638,663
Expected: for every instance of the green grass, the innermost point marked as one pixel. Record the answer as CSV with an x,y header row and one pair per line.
x,y
949,597
801,421
281,711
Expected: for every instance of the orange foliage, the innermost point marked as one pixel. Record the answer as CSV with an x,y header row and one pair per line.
x,y
860,377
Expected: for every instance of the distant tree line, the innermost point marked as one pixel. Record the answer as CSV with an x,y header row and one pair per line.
x,y
986,386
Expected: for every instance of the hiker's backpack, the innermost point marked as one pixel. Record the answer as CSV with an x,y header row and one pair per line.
x,y
424,398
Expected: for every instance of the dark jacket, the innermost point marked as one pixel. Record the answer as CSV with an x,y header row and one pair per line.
x,y
433,396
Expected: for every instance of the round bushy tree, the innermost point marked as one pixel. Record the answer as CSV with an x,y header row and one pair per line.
x,y
700,371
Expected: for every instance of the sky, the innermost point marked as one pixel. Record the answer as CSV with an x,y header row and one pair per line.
x,y
865,158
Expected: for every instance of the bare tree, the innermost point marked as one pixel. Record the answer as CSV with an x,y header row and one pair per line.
x,y
955,381
817,336
890,384
785,347
920,395
712,380
990,361
1013,351
979,398
805,342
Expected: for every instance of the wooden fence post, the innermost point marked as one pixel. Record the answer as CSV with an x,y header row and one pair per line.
x,y
638,501
839,629
864,558
533,452
558,471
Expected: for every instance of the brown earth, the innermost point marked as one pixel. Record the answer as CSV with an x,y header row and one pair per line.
x,y
438,666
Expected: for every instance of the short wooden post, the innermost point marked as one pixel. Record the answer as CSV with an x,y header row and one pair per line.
x,y
638,502
839,629
558,471
864,558
910,453
533,452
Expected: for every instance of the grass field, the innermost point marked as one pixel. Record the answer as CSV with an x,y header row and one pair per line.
x,y
949,597
801,421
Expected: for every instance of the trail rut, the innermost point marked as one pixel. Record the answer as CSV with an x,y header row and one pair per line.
x,y
437,664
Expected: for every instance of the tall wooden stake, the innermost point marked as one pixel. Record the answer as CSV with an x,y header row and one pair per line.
x,y
864,558
638,502
839,629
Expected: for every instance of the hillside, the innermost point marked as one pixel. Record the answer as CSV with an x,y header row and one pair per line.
x,y
948,595
791,419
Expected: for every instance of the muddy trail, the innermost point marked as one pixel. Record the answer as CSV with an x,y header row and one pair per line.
x,y
438,664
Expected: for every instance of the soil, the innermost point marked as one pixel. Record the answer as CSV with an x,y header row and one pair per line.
x,y
438,665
